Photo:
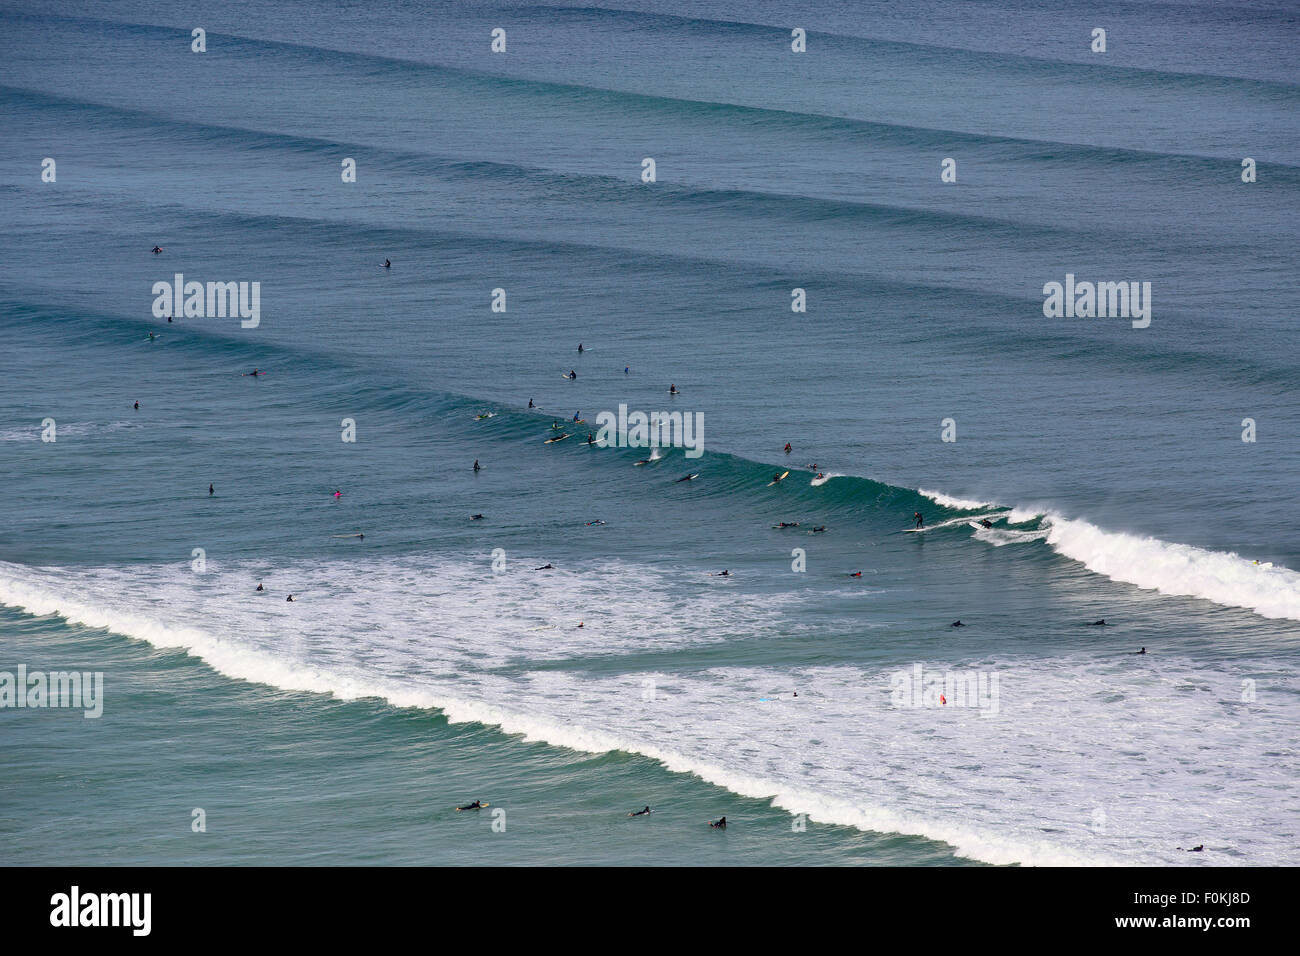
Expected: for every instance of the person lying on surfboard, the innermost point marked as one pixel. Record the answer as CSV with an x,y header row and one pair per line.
x,y
641,813
476,805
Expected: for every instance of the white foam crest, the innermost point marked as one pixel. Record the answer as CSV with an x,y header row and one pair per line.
x,y
1178,569
961,504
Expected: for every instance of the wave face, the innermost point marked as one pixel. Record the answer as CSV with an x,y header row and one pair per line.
x,y
1130,475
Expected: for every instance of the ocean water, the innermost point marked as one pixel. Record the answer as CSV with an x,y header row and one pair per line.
x,y
427,663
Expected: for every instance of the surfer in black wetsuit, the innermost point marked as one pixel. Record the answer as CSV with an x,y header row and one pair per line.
x,y
572,374
475,517
211,491
685,478
956,624
1101,623
289,598
591,439
476,465
672,389
1143,651
819,529
169,318
986,523
640,813
579,348
476,805
137,406
259,586
530,404
545,567
788,524
723,574
387,264
920,521
719,824
157,250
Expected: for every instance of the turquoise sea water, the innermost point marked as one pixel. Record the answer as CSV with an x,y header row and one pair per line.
x,y
427,664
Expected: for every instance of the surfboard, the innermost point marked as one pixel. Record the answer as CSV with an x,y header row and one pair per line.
x,y
775,480
552,441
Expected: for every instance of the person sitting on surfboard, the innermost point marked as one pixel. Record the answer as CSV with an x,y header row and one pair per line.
x,y
530,404
289,598
788,449
719,824
211,491
579,348
476,464
572,374
157,250
577,415
387,264
672,389
641,813
920,521
137,406
259,586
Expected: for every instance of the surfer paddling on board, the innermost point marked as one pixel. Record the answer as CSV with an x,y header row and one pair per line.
x,y
545,567
640,813
476,805
723,574
1143,651
719,824
920,521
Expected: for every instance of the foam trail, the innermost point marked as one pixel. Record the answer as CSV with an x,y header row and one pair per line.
x,y
1178,569
960,504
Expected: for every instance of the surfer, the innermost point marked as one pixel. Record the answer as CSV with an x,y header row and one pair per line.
x,y
477,517
211,491
788,449
723,574
592,524
640,813
254,373
476,805
289,598
819,475
579,348
530,404
476,465
627,370
920,521
572,374
719,824
545,567
1143,651
137,406
672,389
1101,623
819,529
956,624
337,493
591,439
152,336
856,574
580,624
169,318
788,524
577,416
387,264
986,523
685,478
157,250
259,586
